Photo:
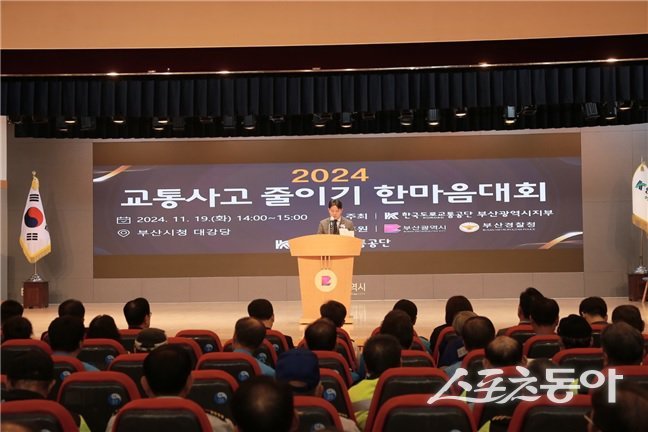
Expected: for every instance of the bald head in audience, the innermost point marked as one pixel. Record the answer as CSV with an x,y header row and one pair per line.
x,y
248,334
262,404
504,351
321,335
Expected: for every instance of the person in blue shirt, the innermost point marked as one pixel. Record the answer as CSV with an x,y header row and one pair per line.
x,y
248,336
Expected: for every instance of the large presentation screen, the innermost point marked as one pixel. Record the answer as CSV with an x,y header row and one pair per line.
x,y
412,202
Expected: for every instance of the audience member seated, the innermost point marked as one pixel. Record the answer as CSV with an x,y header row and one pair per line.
x,y
622,345
380,353
262,310
16,328
300,370
249,334
9,309
527,297
65,336
31,376
455,350
138,313
574,332
629,413
321,335
166,373
410,309
398,324
103,327
504,351
149,339
544,316
454,305
335,311
628,314
477,333
594,310
72,307
262,404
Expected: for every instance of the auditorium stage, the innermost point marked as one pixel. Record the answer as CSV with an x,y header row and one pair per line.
x,y
367,315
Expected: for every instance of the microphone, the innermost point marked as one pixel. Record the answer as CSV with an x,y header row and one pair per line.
x,y
332,226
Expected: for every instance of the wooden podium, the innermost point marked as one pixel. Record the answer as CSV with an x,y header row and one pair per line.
x,y
35,294
325,270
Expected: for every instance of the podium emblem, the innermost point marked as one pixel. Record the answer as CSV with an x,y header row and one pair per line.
x,y
326,280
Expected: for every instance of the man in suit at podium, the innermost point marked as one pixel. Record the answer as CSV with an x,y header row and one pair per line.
x,y
335,223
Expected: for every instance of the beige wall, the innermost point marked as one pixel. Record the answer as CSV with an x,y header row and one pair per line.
x,y
611,242
128,24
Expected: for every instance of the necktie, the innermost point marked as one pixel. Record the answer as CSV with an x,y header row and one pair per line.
x,y
335,227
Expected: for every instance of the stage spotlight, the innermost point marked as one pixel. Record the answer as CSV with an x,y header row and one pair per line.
x,y
15,119
159,123
320,119
206,119
433,117
346,120
61,125
228,122
70,120
610,110
277,118
249,122
510,115
625,105
590,111
119,119
461,112
406,117
368,116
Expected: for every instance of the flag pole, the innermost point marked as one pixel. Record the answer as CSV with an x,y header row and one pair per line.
x,y
35,277
641,269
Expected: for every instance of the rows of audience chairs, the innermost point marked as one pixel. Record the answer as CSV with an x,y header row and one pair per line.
x,y
417,391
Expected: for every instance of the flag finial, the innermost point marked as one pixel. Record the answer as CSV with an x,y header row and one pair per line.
x,y
34,173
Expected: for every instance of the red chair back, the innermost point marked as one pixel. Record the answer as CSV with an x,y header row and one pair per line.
x,y
64,366
543,415
315,413
413,413
580,359
335,391
541,346
100,352
39,414
277,340
131,365
15,347
162,414
239,365
334,361
207,339
97,395
403,381
416,358
520,332
128,337
213,390
190,346
635,373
